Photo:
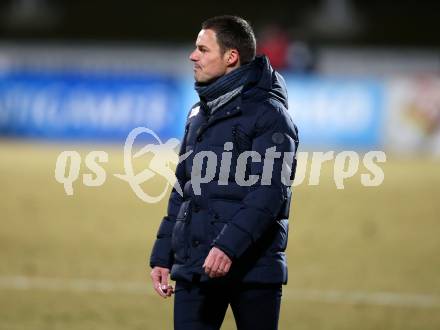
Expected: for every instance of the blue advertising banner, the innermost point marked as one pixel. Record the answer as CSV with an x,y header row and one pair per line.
x,y
337,112
89,107
329,112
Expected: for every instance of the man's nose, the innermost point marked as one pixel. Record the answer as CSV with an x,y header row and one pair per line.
x,y
193,56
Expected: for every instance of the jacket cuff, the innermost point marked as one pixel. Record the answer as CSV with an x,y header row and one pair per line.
x,y
159,263
233,241
161,254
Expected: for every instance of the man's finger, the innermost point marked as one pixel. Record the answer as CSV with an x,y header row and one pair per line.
x,y
156,276
170,290
207,265
159,290
164,282
212,267
215,266
218,259
208,259
227,266
157,287
219,272
222,269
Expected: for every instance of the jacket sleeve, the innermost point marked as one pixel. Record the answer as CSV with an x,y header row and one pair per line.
x,y
262,204
162,254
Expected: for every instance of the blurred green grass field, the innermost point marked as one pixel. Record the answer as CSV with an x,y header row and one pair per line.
x,y
349,250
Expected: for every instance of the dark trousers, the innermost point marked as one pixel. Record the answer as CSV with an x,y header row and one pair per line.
x,y
200,306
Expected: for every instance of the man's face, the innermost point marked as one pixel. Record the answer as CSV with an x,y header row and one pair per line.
x,y
209,62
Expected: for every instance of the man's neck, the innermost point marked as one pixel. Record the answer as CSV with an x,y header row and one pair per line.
x,y
232,68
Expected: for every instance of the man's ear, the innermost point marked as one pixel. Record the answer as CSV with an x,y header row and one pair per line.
x,y
232,57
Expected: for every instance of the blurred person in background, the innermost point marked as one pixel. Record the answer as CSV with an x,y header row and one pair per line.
x,y
274,43
284,52
226,245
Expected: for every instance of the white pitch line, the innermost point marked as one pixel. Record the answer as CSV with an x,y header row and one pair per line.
x,y
320,296
66,284
366,298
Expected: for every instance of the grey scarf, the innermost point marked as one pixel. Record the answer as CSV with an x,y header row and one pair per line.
x,y
220,91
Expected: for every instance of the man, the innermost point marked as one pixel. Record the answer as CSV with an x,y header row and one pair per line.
x,y
223,241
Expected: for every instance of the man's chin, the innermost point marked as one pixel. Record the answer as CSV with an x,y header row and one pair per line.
x,y
200,80
204,80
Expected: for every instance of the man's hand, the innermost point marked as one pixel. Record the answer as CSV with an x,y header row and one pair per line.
x,y
217,263
159,276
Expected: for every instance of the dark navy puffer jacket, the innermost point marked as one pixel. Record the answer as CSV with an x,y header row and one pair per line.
x,y
248,223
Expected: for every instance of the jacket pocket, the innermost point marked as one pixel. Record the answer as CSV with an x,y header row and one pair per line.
x,y
221,213
241,139
280,241
180,233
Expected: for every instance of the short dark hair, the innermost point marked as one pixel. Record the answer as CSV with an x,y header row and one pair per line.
x,y
233,32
